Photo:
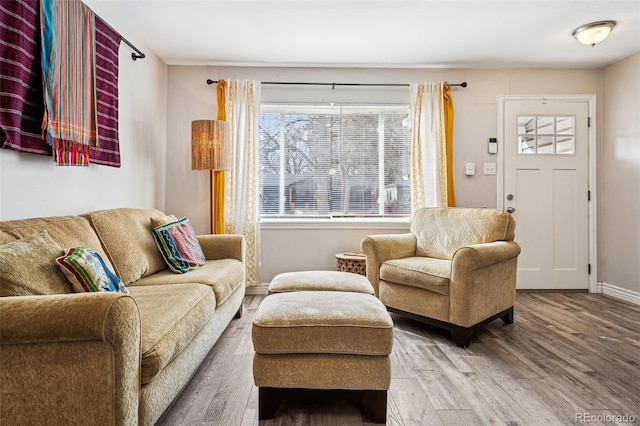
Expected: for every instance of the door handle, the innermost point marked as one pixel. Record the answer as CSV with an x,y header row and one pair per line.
x,y
510,210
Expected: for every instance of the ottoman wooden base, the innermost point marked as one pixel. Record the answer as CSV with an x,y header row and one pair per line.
x,y
373,403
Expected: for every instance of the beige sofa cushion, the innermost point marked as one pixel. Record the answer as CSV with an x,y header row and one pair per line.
x,y
422,272
442,231
128,241
223,276
5,238
28,267
322,322
170,316
320,281
67,231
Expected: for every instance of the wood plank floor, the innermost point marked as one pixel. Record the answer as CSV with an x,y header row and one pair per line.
x,y
565,354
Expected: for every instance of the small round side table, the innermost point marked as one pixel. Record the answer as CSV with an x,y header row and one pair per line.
x,y
352,262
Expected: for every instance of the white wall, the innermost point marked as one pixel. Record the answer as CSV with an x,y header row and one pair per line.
x,y
312,246
619,177
190,98
31,185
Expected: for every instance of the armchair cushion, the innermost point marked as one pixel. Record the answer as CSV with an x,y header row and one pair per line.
x,y
422,272
442,231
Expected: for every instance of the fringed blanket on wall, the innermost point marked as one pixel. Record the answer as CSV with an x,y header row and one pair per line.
x,y
21,84
68,67
107,44
21,107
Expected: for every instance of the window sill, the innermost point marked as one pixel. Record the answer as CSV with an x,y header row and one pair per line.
x,y
336,223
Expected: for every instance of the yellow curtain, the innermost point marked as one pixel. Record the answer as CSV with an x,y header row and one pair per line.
x,y
217,176
448,124
222,102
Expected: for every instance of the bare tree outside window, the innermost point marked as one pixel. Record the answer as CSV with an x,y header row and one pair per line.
x,y
334,161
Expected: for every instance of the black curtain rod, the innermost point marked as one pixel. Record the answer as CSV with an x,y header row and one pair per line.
x,y
333,85
138,54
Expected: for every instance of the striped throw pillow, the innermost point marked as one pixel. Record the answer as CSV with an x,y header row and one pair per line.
x,y
86,271
179,246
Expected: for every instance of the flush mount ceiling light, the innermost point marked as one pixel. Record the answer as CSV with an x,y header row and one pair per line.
x,y
594,32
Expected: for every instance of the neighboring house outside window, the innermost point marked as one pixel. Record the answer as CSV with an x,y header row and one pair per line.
x,y
321,161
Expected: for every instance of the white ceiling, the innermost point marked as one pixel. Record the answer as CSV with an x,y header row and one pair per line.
x,y
384,33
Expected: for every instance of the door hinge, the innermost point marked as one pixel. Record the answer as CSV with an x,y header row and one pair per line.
x,y
589,269
588,121
588,195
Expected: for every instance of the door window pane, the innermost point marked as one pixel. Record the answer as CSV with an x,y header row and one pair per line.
x,y
564,126
526,145
545,144
545,125
546,134
564,145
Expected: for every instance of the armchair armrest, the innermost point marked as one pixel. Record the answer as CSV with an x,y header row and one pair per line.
x,y
379,248
58,350
483,281
481,255
223,246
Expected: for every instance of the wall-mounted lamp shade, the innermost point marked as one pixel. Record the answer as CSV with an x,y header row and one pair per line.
x,y
210,145
594,32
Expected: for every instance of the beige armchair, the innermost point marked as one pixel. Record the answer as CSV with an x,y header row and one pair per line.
x,y
455,269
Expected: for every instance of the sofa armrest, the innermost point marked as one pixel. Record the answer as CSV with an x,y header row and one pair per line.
x,y
379,248
223,246
69,359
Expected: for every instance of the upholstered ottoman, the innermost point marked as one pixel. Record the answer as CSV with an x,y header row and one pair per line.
x,y
323,340
320,281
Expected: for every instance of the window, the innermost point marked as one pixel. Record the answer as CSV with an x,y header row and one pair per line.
x,y
334,161
546,135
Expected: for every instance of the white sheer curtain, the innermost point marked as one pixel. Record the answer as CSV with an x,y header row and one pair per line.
x,y
241,182
428,151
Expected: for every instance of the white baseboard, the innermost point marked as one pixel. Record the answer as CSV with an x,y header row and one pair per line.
x,y
620,293
604,288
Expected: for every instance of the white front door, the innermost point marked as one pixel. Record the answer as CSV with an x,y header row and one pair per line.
x,y
545,183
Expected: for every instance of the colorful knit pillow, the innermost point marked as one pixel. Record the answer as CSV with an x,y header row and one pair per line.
x,y
157,221
179,246
86,271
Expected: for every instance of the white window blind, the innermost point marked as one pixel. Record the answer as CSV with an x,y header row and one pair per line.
x,y
334,161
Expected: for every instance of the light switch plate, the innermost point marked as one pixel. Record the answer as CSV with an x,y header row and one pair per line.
x,y
489,168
